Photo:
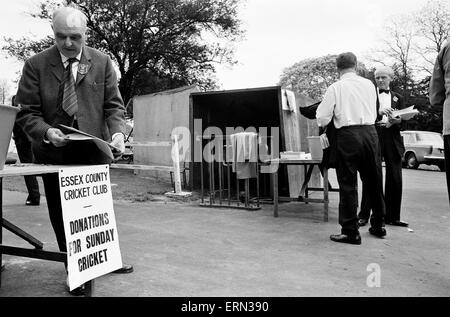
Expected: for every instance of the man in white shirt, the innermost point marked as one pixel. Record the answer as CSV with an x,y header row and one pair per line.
x,y
351,103
392,149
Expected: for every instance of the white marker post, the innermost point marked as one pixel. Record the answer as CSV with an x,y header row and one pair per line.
x,y
176,164
176,170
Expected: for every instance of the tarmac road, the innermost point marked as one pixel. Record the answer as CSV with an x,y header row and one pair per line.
x,y
183,250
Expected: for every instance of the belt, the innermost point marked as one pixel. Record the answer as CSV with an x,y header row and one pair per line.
x,y
357,126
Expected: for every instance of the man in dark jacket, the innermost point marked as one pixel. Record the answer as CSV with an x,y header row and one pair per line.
x,y
392,149
440,97
23,146
75,85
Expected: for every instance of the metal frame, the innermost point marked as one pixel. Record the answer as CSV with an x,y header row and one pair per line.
x,y
224,192
38,252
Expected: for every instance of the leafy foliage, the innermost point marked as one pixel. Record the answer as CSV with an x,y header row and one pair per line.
x,y
311,77
165,43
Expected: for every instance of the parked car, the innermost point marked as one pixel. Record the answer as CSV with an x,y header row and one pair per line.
x,y
423,147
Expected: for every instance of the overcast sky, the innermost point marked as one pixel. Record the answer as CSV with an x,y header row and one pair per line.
x,y
279,33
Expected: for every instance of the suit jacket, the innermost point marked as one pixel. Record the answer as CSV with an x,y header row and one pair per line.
x,y
101,111
439,90
392,134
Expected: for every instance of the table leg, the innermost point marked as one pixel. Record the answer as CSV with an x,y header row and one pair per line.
x,y
25,236
325,194
275,193
247,193
308,172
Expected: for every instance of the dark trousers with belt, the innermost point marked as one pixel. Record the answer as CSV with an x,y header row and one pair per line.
x,y
76,152
393,186
23,146
358,151
447,161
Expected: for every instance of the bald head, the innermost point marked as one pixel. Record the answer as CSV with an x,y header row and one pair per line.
x,y
384,70
69,17
383,76
69,27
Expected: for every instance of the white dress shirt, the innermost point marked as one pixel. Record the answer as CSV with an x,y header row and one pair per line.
x,y
385,102
352,101
65,61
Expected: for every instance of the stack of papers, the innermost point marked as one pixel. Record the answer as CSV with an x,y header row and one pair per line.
x,y
290,155
78,135
406,113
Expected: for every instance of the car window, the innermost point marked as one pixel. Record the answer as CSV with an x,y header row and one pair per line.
x,y
409,138
429,137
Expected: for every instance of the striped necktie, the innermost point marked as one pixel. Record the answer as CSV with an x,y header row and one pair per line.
x,y
69,103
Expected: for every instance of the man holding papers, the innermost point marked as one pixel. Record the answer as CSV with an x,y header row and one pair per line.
x,y
392,149
75,85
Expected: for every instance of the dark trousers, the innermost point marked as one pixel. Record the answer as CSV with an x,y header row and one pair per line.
x,y
447,161
393,186
77,152
358,151
23,146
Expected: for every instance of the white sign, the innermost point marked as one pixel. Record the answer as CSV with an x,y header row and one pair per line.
x,y
89,223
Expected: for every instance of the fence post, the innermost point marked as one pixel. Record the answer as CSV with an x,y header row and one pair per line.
x,y
176,164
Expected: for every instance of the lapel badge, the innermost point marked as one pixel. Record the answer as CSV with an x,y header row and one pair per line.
x,y
83,69
395,99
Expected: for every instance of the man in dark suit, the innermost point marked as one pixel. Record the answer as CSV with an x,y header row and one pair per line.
x,y
23,146
74,85
392,149
440,97
351,104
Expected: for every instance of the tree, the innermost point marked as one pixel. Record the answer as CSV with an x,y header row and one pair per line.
x,y
396,50
154,41
311,77
433,22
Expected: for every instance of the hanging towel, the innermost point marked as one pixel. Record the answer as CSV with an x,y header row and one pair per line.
x,y
244,150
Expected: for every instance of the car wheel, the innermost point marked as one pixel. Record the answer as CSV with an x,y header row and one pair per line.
x,y
411,161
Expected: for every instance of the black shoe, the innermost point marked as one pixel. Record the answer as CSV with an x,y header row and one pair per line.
x,y
343,238
362,222
126,268
79,291
32,202
378,232
398,223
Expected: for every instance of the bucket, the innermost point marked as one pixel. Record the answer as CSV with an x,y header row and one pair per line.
x,y
7,119
315,147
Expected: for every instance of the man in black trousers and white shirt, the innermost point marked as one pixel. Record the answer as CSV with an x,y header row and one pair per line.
x,y
352,102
